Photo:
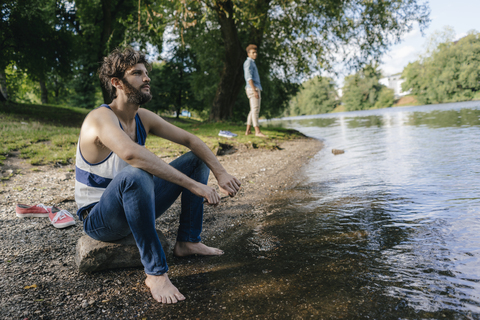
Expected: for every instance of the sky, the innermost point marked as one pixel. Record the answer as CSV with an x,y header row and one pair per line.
x,y
462,15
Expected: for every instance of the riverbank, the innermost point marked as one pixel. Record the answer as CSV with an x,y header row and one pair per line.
x,y
40,279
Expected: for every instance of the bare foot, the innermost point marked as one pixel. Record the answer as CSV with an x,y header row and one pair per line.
x,y
163,290
260,135
183,249
248,132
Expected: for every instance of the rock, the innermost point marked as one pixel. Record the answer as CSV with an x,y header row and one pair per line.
x,y
65,176
93,255
337,151
224,149
7,173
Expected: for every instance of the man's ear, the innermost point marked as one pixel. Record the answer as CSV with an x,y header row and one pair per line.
x,y
116,83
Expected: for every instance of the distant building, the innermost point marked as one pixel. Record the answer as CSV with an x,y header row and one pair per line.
x,y
394,82
339,93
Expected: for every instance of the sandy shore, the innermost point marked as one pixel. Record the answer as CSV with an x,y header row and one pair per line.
x,y
39,276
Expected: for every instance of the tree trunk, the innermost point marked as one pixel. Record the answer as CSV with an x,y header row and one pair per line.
x,y
57,91
3,86
106,33
179,102
44,91
179,95
232,80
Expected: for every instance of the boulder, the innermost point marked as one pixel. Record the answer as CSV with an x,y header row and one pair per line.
x,y
93,255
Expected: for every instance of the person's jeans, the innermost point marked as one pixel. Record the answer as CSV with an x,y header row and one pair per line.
x,y
252,117
134,199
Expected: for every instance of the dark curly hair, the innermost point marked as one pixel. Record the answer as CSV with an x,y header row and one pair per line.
x,y
116,63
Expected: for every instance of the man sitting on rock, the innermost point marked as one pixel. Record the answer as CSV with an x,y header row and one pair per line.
x,y
121,187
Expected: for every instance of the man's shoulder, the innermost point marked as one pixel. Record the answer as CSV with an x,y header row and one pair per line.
x,y
99,114
146,114
149,119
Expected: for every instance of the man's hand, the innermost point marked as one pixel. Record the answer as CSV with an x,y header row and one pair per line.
x,y
209,193
255,91
228,184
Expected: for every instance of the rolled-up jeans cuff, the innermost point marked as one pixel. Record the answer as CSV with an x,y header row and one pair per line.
x,y
157,272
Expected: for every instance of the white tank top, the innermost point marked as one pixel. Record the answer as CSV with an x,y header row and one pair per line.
x,y
91,179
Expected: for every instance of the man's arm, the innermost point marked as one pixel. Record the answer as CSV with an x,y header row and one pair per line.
x,y
253,87
102,124
161,128
247,69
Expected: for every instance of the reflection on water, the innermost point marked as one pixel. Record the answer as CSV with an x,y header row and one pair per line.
x,y
403,203
388,230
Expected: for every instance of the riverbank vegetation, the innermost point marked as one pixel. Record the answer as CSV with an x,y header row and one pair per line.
x,y
450,73
317,95
48,134
199,45
447,72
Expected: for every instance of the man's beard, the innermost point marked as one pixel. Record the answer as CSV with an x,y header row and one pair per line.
x,y
135,95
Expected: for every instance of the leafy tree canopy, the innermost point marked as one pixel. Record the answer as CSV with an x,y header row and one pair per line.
x,y
294,38
317,95
35,36
171,84
362,90
450,72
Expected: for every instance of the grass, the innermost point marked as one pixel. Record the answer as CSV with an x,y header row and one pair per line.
x,y
47,134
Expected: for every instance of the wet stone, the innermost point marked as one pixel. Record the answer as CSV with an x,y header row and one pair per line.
x,y
93,255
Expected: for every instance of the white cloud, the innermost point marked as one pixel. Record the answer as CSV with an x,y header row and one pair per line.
x,y
415,32
398,58
459,36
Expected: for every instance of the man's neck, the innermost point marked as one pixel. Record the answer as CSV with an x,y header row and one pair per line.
x,y
124,110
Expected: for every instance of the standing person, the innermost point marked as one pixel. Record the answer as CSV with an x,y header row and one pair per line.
x,y
121,187
253,89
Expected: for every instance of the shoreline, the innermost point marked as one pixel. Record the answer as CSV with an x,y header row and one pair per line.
x,y
36,254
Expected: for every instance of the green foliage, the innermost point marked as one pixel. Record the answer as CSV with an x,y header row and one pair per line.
x,y
317,95
386,98
36,44
361,90
172,84
35,37
62,43
294,39
20,86
450,73
276,95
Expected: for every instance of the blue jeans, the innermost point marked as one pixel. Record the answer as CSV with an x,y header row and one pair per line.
x,y
135,198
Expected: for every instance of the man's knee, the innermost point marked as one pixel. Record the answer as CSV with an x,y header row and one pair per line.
x,y
137,176
196,163
193,159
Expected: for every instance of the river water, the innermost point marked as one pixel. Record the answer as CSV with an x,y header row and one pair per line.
x,y
392,226
390,229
